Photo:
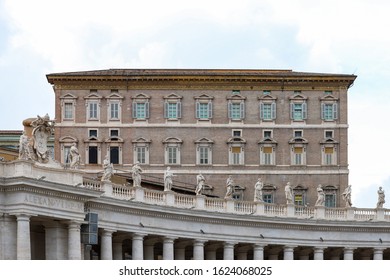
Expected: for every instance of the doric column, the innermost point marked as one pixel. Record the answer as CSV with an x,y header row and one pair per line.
x,y
168,245
55,241
74,242
348,253
288,252
378,253
199,249
8,229
106,244
228,251
23,245
318,253
258,251
138,246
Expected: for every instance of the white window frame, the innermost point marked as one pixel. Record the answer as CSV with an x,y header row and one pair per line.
x,y
96,110
236,158
172,145
267,111
68,101
329,111
267,158
329,158
298,158
144,144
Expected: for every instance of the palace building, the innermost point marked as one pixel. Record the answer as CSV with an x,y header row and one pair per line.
x,y
280,125
288,128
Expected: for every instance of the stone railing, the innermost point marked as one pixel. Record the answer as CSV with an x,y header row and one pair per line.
x,y
200,202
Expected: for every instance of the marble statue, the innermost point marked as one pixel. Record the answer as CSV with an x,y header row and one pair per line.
x,y
74,156
168,179
347,196
320,196
136,174
289,194
108,169
258,190
43,128
23,146
229,187
381,198
200,180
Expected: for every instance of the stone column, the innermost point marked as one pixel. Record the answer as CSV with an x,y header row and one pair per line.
x,y
348,253
149,248
258,252
228,251
199,249
138,246
55,241
318,253
288,253
23,243
106,244
378,254
168,247
74,241
8,229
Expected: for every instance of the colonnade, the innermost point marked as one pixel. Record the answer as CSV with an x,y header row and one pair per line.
x,y
63,241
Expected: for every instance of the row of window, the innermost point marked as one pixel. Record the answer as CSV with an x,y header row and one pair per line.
x,y
204,152
203,107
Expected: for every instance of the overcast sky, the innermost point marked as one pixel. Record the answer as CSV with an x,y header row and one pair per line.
x,y
342,36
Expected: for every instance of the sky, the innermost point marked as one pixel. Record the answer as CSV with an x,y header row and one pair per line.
x,y
332,36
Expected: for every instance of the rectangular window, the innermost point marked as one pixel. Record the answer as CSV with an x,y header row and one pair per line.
x,y
114,110
330,200
68,111
329,155
298,111
236,152
66,159
235,112
266,92
298,155
267,133
203,155
93,110
328,134
203,110
329,111
298,133
93,133
268,198
114,133
298,199
92,155
141,155
172,110
267,154
268,111
114,155
172,155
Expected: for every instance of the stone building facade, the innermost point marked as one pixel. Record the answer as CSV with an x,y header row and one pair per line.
x,y
280,125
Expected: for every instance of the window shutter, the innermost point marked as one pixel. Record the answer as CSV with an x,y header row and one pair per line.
x,y
292,111
178,108
261,111
323,111
147,110
273,110
242,110
134,110
230,109
304,111
335,111
197,113
166,110
210,109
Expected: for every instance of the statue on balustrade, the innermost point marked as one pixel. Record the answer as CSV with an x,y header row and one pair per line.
x,y
289,193
74,157
229,187
108,169
381,198
347,196
24,146
136,174
258,190
168,179
320,196
200,181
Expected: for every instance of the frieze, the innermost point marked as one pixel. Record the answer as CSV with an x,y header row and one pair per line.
x,y
51,202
